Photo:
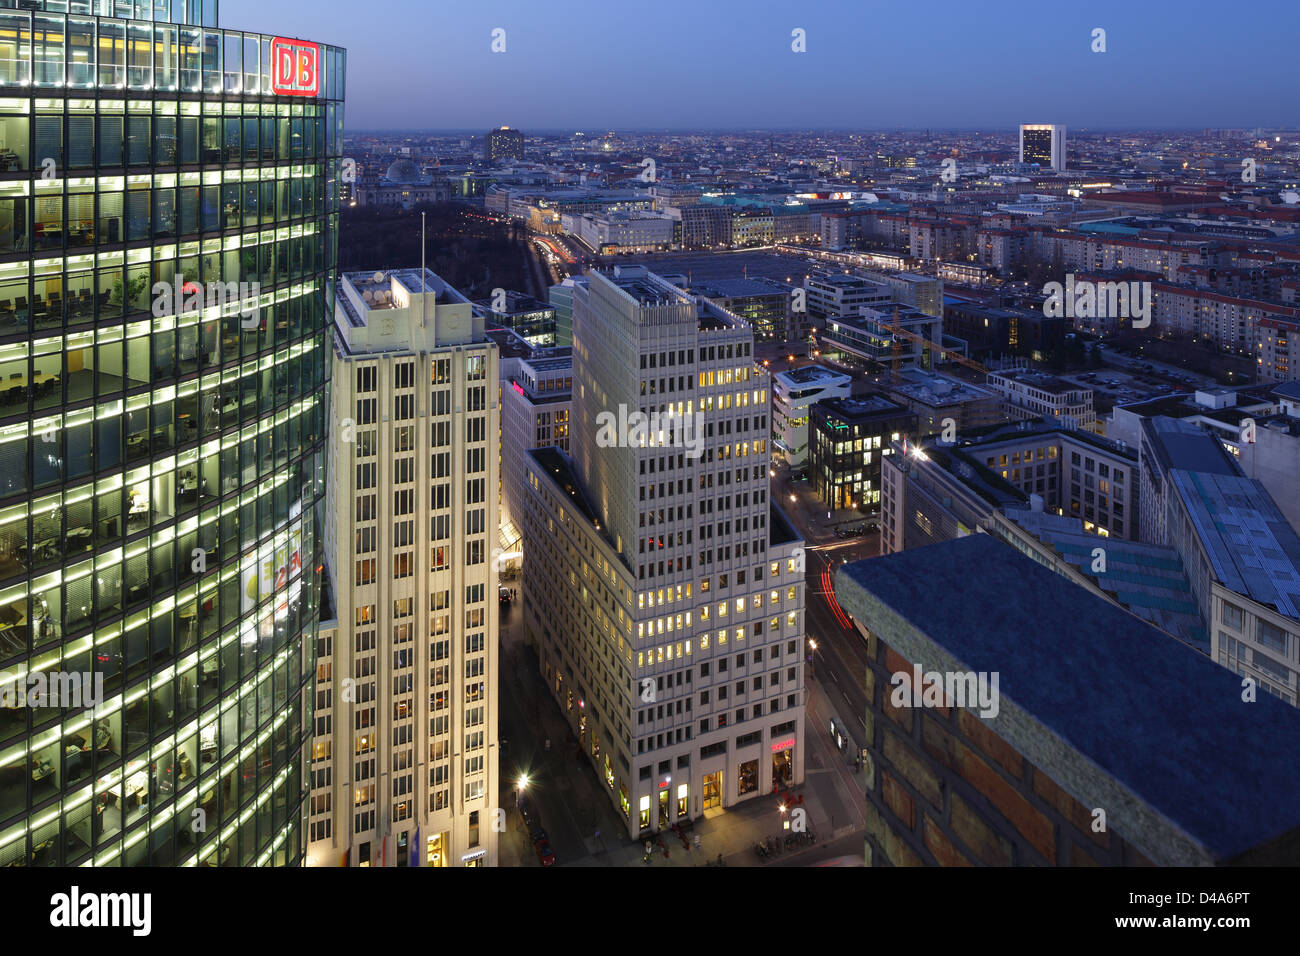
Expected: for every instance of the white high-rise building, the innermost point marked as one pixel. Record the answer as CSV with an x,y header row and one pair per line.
x,y
662,587
1044,144
404,769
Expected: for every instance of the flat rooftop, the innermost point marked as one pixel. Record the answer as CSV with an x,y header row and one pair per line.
x,y
780,530
860,407
739,288
1040,380
557,465
516,303
1181,446
377,291
812,375
940,390
1253,548
1163,721
1148,579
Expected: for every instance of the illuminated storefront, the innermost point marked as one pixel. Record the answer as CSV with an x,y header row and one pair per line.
x,y
435,853
712,790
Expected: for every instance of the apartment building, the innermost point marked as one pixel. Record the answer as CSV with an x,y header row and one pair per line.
x,y
404,759
662,588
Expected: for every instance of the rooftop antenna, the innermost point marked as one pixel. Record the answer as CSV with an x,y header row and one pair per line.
x,y
423,306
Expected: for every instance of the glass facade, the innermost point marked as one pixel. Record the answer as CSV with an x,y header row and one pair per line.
x,y
160,469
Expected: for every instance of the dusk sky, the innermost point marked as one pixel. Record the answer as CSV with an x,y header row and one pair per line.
x,y
675,64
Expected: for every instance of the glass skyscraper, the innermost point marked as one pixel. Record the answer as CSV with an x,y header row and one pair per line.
x,y
160,467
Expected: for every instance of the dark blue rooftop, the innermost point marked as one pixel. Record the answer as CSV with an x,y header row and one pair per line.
x,y
1157,716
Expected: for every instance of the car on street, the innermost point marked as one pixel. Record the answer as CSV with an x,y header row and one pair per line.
x,y
527,812
545,855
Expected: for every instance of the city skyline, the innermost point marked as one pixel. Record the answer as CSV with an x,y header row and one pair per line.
x,y
653,444
859,69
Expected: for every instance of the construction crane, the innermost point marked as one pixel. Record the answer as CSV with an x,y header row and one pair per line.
x,y
951,355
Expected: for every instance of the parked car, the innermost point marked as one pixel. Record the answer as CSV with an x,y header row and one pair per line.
x,y
545,855
527,811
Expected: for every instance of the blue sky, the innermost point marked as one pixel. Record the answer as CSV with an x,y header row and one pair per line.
x,y
728,64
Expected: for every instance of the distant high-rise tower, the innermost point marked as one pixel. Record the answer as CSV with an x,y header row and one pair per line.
x,y
1043,144
504,143
404,761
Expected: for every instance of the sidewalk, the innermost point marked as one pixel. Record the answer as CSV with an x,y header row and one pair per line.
x,y
578,804
809,515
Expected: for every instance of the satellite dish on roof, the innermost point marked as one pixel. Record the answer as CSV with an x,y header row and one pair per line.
x,y
378,277
368,296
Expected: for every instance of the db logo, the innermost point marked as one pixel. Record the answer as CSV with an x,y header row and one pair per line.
x,y
294,68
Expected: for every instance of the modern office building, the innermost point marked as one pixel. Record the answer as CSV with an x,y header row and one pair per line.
x,y
404,758
662,588
561,299
765,304
793,393
944,489
990,330
162,462
843,295
531,319
1043,144
870,336
1032,394
847,440
703,226
922,292
504,143
614,233
1017,773
944,403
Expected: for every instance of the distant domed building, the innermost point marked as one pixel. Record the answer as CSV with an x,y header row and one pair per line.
x,y
405,172
405,185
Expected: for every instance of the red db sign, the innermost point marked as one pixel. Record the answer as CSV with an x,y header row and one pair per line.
x,y
295,68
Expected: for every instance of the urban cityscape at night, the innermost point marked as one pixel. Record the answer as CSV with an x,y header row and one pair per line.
x,y
570,436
